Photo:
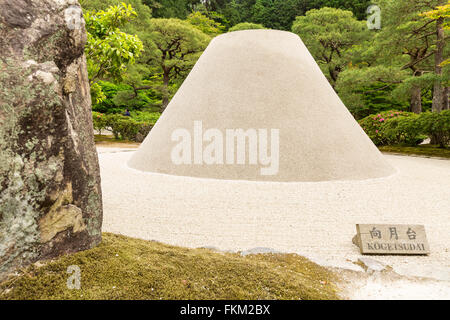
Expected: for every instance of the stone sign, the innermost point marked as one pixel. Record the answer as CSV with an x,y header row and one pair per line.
x,y
391,239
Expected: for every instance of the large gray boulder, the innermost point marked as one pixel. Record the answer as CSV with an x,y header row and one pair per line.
x,y
50,196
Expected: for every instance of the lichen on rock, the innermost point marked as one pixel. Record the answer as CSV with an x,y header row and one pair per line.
x,y
50,196
61,216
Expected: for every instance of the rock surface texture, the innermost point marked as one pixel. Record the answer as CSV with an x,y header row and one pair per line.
x,y
50,195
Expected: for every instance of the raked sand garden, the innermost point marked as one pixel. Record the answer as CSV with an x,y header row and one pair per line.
x,y
313,219
328,174
134,216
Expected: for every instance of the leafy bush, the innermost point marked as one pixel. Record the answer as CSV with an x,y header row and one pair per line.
x,y
436,126
127,128
107,104
246,26
117,97
373,125
397,128
99,121
150,117
122,127
403,130
144,130
371,99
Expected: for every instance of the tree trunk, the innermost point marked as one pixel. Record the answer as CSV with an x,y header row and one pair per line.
x,y
165,100
416,100
165,103
438,90
446,102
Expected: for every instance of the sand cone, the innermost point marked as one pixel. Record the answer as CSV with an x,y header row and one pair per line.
x,y
259,81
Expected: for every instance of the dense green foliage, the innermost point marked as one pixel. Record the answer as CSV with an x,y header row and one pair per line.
x,y
140,51
118,97
403,130
246,26
278,14
205,24
406,128
134,128
174,46
179,9
436,126
374,125
401,58
109,50
330,34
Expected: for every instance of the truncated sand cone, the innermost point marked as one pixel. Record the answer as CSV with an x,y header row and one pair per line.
x,y
267,80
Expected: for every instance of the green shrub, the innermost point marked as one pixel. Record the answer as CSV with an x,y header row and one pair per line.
x,y
141,116
369,100
125,129
109,90
122,127
403,130
118,97
99,121
144,130
373,125
246,26
436,126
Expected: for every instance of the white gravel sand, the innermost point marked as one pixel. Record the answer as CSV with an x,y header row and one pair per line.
x,y
238,83
313,219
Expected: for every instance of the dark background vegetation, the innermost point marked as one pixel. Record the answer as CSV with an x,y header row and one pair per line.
x,y
401,67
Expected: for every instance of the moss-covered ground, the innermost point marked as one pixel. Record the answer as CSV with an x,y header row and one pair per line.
x,y
421,150
127,268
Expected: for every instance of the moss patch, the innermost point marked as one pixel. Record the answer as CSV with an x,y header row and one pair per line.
x,y
422,150
127,268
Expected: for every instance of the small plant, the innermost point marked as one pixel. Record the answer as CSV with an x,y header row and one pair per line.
x,y
436,126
